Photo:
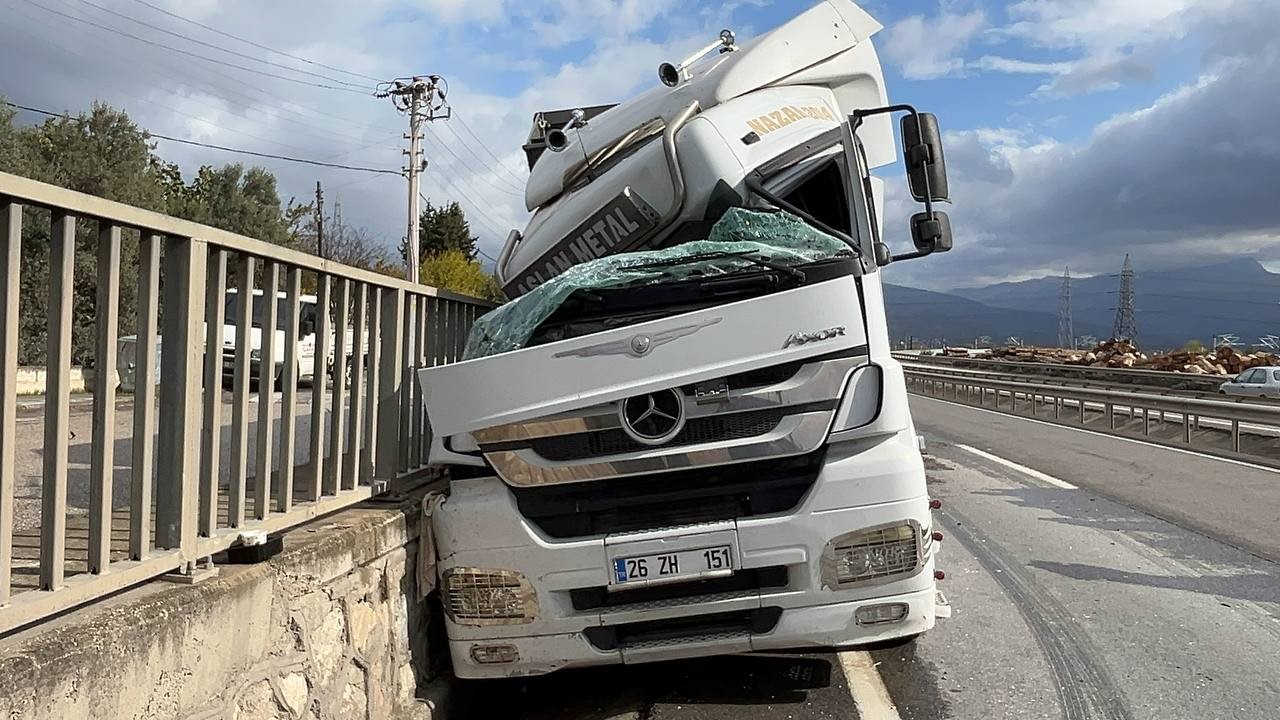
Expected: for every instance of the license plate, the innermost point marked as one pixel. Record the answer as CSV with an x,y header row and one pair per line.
x,y
673,566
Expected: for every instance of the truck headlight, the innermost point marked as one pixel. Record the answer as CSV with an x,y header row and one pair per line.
x,y
479,596
873,554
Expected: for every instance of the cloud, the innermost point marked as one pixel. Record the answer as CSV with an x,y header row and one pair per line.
x,y
929,47
500,71
1113,43
1184,179
996,63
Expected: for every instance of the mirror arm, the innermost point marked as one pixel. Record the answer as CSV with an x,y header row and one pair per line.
x,y
858,115
910,255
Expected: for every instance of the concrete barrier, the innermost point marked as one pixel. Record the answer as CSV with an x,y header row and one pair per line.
x,y
31,380
333,627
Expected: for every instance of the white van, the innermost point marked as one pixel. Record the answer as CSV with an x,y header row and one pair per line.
x,y
126,363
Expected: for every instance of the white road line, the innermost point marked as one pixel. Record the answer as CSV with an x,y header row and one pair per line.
x,y
867,688
1019,467
1087,431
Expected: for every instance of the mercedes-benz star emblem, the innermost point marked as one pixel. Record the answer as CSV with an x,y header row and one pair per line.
x,y
654,418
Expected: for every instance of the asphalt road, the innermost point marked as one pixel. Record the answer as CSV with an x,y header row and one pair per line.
x,y
1072,598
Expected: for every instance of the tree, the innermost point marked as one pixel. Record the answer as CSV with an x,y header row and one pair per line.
x,y
1193,346
443,228
239,201
453,270
101,153
104,153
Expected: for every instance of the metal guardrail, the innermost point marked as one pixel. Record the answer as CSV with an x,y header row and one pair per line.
x,y
183,504
1103,383
1111,376
1073,405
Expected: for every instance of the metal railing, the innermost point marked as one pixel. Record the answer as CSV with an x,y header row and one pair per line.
x,y
1028,374
180,499
1216,427
1103,375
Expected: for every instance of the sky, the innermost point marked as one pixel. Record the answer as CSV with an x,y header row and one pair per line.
x,y
1075,130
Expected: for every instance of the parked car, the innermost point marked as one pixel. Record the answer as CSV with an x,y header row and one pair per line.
x,y
1263,382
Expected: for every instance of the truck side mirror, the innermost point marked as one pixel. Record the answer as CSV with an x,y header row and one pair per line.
x,y
931,232
922,150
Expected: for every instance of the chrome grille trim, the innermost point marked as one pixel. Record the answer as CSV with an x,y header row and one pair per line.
x,y
816,381
795,435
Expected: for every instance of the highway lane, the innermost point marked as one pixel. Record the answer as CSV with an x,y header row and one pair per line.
x,y
1233,502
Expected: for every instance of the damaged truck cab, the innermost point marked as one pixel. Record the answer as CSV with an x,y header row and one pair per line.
x,y
685,435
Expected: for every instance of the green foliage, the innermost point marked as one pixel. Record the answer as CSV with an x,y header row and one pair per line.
x,y
441,229
1194,346
240,201
102,152
453,270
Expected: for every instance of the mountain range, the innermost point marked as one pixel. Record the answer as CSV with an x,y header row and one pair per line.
x,y
1172,306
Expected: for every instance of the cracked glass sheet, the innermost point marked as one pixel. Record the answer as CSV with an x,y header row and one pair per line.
x,y
778,237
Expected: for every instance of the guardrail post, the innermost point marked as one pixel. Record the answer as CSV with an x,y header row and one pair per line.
x,y
102,465
10,285
372,379
211,437
1080,404
1186,427
1146,421
1109,410
289,376
53,493
177,493
240,389
390,379
319,379
1235,435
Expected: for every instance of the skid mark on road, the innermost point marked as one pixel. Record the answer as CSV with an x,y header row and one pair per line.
x,y
1084,687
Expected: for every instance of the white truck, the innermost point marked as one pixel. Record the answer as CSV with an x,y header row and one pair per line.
x,y
686,450
126,358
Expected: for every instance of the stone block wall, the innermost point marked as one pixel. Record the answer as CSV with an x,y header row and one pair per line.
x,y
333,627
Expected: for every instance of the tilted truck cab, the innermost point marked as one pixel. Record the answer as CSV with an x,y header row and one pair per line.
x,y
665,449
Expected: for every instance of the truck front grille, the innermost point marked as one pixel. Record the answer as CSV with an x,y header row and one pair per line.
x,y
669,499
713,428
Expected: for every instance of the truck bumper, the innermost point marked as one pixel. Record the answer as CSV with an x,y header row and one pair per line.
x,y
863,484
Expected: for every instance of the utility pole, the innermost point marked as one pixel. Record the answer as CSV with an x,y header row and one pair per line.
x,y
421,97
319,220
1066,335
1126,325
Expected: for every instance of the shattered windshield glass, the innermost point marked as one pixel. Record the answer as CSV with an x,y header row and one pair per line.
x,y
741,240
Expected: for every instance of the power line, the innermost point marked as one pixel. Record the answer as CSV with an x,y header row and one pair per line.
x,y
254,44
245,102
477,173
507,185
224,148
219,48
478,216
488,150
188,53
